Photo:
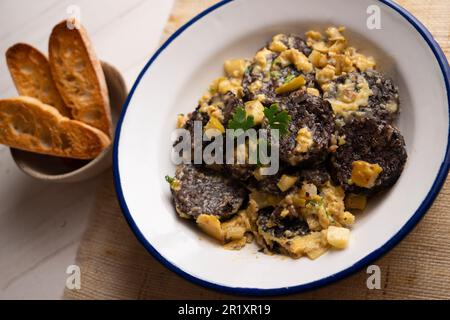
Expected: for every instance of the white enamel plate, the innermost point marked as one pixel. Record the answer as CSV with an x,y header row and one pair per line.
x,y
177,75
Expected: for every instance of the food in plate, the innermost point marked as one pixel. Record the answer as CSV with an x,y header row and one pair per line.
x,y
372,157
199,191
285,58
337,146
64,107
367,93
310,129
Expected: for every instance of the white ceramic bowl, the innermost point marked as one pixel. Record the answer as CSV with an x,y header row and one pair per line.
x,y
56,169
177,75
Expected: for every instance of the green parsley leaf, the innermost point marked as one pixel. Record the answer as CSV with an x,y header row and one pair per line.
x,y
275,74
169,179
278,119
289,78
314,202
240,120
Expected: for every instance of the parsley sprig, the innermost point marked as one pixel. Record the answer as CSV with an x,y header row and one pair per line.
x,y
169,179
240,120
278,119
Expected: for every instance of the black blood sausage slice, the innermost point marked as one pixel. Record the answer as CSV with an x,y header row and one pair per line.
x,y
315,118
372,141
203,191
262,80
275,233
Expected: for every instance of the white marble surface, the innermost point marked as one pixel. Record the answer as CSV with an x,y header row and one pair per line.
x,y
41,223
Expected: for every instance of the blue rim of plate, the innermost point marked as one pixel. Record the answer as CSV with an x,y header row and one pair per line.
x,y
420,212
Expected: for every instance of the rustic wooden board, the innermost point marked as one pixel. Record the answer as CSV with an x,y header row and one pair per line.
x,y
115,266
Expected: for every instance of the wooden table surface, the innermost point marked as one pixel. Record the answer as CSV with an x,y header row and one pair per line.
x,y
115,266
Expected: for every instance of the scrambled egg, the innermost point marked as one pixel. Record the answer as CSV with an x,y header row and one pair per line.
x,y
255,109
304,140
349,96
365,174
331,57
286,182
295,57
232,233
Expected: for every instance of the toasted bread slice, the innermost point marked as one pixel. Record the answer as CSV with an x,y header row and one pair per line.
x,y
28,124
31,74
79,76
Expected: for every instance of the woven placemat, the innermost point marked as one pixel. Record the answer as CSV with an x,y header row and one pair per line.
x,y
115,266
